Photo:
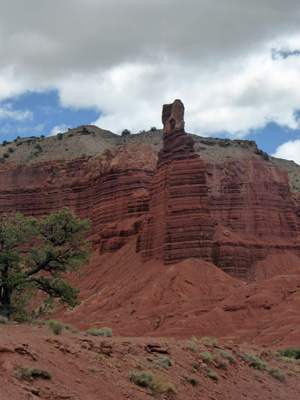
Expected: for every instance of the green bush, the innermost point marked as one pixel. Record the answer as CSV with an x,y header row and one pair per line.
x,y
10,150
5,155
106,332
125,132
56,326
277,374
228,356
255,361
191,345
153,129
290,352
193,380
223,364
23,373
206,357
60,136
155,385
212,374
37,372
164,362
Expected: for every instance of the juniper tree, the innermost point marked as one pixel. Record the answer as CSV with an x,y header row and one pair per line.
x,y
36,255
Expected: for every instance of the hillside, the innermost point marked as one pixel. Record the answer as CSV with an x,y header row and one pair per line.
x,y
192,237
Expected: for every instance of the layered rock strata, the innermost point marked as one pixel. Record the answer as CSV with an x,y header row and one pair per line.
x,y
178,224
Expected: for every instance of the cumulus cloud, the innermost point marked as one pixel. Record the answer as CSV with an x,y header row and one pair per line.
x,y
7,112
59,129
289,151
126,59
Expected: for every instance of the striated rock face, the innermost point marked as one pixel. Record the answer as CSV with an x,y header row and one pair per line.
x,y
109,189
224,203
233,213
179,224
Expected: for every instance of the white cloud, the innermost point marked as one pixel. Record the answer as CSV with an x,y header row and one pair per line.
x,y
126,59
59,129
289,151
7,112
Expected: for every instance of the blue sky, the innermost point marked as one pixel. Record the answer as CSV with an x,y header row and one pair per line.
x,y
235,65
41,114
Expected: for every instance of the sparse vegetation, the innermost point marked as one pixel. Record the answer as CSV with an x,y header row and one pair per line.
x,y
5,155
212,374
163,362
125,132
92,369
228,356
154,384
10,150
277,374
106,332
254,361
153,129
206,357
56,326
193,380
24,373
290,352
4,143
223,364
206,339
191,345
60,136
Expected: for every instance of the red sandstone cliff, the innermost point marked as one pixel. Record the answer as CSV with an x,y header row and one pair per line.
x,y
152,213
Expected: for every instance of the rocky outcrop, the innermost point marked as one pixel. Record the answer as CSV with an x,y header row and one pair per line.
x,y
179,224
233,213
110,188
218,200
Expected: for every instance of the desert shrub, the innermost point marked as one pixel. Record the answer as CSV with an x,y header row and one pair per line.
x,y
206,357
223,364
212,374
23,373
154,384
291,373
277,374
10,150
193,380
4,143
37,372
92,369
163,362
2,160
191,345
125,132
254,360
56,326
206,339
5,155
60,136
106,332
228,356
143,378
71,329
195,366
290,352
153,129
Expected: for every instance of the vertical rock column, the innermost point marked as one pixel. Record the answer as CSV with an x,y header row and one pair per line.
x,y
179,224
